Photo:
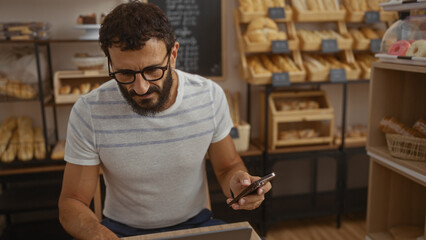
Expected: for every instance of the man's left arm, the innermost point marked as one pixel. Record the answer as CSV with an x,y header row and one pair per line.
x,y
232,175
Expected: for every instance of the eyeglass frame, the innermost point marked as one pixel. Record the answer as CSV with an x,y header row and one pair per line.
x,y
141,72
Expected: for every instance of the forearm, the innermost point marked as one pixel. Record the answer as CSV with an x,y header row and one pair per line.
x,y
79,220
224,178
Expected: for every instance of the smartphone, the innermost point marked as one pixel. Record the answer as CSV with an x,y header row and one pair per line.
x,y
253,187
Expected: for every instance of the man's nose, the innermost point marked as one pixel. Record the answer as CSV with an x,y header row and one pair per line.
x,y
140,85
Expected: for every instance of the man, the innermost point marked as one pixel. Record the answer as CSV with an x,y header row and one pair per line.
x,y
148,129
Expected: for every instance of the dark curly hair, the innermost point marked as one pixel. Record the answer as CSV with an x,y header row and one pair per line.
x,y
131,25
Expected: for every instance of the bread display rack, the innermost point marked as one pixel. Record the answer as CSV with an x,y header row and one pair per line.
x,y
76,80
315,13
397,187
307,112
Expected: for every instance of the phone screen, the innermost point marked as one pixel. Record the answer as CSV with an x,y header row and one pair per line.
x,y
253,187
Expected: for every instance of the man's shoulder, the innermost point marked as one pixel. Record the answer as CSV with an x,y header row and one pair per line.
x,y
194,80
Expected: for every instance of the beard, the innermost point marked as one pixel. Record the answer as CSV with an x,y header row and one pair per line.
x,y
148,107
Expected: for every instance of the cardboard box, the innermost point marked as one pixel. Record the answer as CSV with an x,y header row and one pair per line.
x,y
233,231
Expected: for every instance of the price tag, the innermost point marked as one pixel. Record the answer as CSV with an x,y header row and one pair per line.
x,y
280,79
329,46
276,13
372,17
338,75
375,45
280,46
234,133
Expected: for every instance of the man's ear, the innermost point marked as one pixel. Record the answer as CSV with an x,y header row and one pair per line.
x,y
174,54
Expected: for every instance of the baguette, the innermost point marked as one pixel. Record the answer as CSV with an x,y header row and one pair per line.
x,y
420,127
393,126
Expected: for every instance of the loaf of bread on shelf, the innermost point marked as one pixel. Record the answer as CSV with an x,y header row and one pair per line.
x,y
58,151
246,5
284,63
39,144
420,127
255,64
94,86
268,64
76,91
84,88
10,154
289,135
264,30
357,34
369,33
9,124
5,136
365,59
66,89
392,125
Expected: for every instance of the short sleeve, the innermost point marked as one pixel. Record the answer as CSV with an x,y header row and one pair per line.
x,y
80,145
222,115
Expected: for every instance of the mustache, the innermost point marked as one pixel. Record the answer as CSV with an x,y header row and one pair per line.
x,y
151,89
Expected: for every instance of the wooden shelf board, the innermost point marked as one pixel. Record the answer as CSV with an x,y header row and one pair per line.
x,y
415,170
28,170
380,236
399,67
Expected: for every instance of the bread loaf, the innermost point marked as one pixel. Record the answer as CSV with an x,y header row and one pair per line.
x,y
246,5
9,124
39,144
58,152
393,126
420,127
10,154
84,88
66,89
369,33
256,65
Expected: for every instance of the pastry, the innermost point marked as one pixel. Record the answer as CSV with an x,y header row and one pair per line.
x,y
268,64
369,33
66,89
76,91
9,124
255,64
39,144
417,49
399,48
246,5
94,86
58,151
84,88
420,127
393,126
10,154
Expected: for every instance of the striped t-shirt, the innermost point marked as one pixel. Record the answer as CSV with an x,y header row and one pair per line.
x,y
153,166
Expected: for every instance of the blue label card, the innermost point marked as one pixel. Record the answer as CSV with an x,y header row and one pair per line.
x,y
338,75
329,46
280,79
234,133
375,45
280,46
372,17
276,13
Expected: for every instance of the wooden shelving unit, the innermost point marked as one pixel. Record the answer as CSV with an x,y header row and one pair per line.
x,y
397,187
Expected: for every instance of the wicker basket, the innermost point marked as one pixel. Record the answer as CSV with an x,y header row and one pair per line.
x,y
406,148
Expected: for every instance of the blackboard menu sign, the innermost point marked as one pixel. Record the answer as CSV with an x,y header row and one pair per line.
x,y
198,29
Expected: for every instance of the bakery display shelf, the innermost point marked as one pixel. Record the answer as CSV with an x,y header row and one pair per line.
x,y
351,142
342,44
74,79
245,46
296,149
34,165
266,78
317,16
47,98
403,5
359,17
415,170
415,61
246,17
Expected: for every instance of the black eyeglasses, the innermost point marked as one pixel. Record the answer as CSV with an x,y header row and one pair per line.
x,y
129,76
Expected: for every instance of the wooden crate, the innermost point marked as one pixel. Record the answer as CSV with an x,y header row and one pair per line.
x,y
74,79
342,44
317,16
359,16
261,79
321,120
246,17
245,46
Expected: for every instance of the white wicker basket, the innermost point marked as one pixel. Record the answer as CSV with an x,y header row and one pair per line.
x,y
406,148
